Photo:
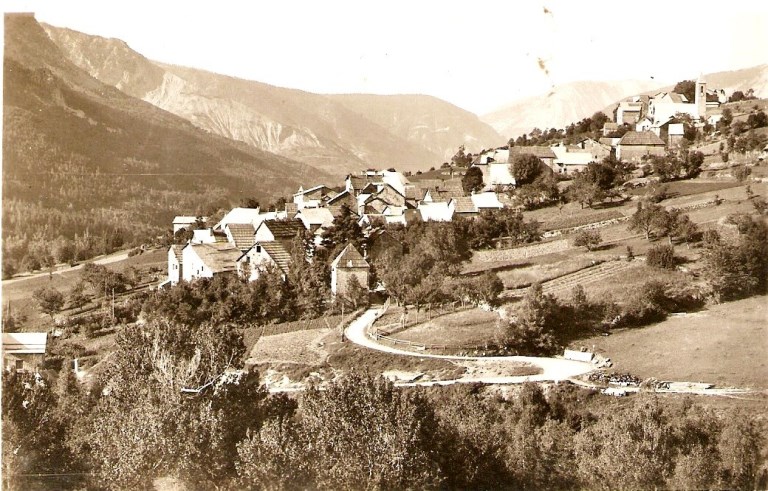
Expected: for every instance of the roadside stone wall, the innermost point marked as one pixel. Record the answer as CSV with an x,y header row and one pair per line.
x,y
522,252
588,226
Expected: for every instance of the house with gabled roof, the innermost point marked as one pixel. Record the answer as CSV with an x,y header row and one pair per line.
x,y
240,234
345,197
441,211
486,201
262,255
348,263
545,154
315,218
634,145
313,197
24,351
208,260
278,230
570,159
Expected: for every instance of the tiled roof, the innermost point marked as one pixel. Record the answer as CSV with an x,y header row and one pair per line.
x,y
339,197
464,204
540,152
486,200
219,258
279,254
284,229
242,234
453,186
350,258
316,216
640,138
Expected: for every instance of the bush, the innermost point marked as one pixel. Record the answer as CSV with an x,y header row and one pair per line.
x,y
661,256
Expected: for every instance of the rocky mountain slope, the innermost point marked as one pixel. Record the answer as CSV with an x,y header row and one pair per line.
x,y
80,155
335,133
561,106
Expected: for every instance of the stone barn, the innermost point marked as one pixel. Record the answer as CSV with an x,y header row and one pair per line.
x,y
348,263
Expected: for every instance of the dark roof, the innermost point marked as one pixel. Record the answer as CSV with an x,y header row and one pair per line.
x,y
218,257
641,138
540,152
278,253
284,229
464,204
242,234
350,258
339,197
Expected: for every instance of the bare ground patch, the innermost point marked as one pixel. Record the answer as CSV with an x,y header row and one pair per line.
x,y
726,345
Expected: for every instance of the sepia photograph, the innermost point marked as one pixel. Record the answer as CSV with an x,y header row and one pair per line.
x,y
368,245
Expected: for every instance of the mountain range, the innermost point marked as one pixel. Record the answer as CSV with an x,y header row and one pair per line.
x,y
335,133
80,155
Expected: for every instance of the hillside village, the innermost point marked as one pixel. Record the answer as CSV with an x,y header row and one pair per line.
x,y
246,241
542,314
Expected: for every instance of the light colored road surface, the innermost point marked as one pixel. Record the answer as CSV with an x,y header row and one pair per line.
x,y
112,258
552,369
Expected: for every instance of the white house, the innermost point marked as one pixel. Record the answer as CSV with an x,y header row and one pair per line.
x,y
207,260
254,216
315,218
203,236
441,211
486,201
570,160
258,258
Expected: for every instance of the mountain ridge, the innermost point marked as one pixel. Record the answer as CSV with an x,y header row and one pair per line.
x,y
323,130
111,161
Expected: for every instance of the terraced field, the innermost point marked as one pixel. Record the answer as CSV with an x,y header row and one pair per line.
x,y
565,283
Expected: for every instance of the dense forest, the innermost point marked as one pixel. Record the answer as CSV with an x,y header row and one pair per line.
x,y
166,405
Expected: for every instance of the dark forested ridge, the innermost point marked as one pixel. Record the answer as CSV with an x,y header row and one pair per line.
x,y
80,157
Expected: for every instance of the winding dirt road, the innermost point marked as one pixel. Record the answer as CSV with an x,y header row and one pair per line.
x,y
552,369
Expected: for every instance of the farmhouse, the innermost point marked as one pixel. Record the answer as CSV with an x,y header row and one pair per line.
x,y
240,234
278,230
24,351
634,145
261,256
312,197
545,154
349,263
187,222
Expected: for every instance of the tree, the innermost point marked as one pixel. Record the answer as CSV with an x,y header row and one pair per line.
x,y
49,300
587,238
526,168
461,159
736,96
77,296
472,180
533,330
646,218
741,173
584,192
355,293
249,202
693,162
661,256
687,88
344,230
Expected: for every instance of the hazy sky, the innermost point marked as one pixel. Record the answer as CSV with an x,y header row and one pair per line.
x,y
479,55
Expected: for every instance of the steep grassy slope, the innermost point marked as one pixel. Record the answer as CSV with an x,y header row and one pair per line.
x,y
80,155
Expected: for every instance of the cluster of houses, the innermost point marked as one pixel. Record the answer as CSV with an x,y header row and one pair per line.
x,y
246,241
655,128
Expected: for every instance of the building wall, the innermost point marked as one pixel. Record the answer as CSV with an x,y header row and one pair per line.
x,y
253,263
28,362
175,270
263,235
637,152
340,277
194,266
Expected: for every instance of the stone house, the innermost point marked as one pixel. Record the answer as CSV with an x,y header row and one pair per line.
x,y
349,263
634,145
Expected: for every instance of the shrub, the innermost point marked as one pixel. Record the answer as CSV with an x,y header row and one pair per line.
x,y
661,256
